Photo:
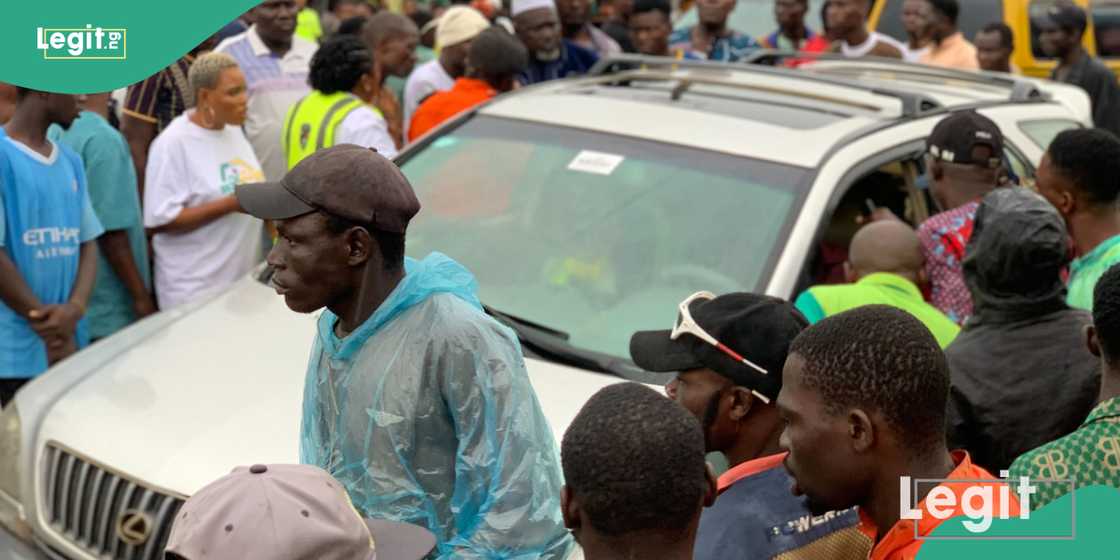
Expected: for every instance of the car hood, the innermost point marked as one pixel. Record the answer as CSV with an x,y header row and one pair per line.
x,y
222,387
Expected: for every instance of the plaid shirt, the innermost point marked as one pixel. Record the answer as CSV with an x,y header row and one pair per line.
x,y
162,96
944,238
732,47
1089,456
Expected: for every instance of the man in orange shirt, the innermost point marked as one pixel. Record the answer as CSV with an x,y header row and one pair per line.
x,y
950,49
494,61
863,398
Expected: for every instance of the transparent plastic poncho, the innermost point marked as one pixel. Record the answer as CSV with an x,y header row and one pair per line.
x,y
427,416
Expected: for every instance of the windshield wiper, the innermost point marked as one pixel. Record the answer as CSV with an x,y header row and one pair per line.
x,y
552,345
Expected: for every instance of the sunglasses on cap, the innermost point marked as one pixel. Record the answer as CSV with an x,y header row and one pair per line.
x,y
685,324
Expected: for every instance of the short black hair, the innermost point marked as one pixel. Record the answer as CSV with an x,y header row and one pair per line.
x,y
390,244
1006,36
421,18
496,56
339,64
880,358
1106,313
1090,158
352,26
334,4
635,461
951,9
644,6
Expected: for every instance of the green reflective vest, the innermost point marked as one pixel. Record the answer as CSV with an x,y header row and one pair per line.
x,y
311,123
819,302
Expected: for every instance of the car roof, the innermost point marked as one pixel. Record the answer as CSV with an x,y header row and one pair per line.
x,y
791,116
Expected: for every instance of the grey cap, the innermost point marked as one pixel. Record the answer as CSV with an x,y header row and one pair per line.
x,y
287,512
345,180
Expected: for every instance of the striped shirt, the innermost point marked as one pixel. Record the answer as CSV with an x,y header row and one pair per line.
x,y
162,96
275,84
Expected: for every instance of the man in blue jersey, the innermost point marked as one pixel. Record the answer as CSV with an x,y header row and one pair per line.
x,y
47,229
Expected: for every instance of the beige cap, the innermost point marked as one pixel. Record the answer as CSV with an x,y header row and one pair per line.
x,y
459,24
287,512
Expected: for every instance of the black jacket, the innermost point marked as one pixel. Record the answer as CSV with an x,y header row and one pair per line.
x,y
1021,374
1100,83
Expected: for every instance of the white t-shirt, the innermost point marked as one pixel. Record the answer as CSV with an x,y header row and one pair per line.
x,y
187,166
914,55
366,128
873,38
425,80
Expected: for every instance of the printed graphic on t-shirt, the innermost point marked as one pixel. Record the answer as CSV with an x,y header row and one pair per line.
x,y
238,172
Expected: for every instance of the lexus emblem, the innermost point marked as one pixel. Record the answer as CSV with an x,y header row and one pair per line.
x,y
134,527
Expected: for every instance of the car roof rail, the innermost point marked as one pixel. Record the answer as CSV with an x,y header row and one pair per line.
x,y
624,65
1021,89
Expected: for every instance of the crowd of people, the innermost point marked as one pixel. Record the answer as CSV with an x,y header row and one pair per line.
x,y
984,340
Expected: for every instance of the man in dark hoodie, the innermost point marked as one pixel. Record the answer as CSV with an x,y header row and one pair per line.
x,y
1021,375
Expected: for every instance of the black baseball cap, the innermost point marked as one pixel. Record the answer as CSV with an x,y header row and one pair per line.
x,y
345,180
955,138
1065,15
758,328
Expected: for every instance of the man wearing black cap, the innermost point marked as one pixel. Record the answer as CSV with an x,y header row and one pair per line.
x,y
1060,35
729,352
415,400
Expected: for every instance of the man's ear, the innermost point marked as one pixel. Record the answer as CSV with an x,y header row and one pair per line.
x,y
360,246
741,402
1092,341
861,431
713,487
850,274
936,169
569,509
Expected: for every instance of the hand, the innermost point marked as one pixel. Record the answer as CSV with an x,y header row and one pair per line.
x,y
59,349
143,306
880,214
55,321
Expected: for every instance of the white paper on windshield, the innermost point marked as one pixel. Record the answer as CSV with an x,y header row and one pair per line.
x,y
599,163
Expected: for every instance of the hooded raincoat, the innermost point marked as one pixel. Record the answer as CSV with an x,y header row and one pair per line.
x,y
427,416
1021,374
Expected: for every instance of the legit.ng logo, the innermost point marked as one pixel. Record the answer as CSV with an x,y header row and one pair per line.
x,y
88,43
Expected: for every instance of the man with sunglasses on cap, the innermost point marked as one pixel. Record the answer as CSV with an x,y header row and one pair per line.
x,y
728,353
286,512
416,400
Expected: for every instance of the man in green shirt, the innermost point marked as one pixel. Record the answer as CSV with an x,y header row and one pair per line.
x,y
885,266
1080,176
1090,455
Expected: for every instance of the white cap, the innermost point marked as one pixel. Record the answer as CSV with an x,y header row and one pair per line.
x,y
522,6
460,24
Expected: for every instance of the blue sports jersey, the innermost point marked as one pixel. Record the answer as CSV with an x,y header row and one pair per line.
x,y
45,216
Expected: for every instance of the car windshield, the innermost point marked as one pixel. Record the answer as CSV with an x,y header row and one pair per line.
x,y
593,236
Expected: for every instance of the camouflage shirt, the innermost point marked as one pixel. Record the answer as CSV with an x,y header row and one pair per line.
x,y
1089,456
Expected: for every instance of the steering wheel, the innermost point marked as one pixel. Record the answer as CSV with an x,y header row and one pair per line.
x,y
697,277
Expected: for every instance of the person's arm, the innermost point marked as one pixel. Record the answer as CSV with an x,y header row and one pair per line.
x,y
507,468
139,134
117,249
190,219
14,291
365,128
56,324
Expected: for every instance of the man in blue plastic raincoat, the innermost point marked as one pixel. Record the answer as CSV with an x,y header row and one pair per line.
x,y
415,399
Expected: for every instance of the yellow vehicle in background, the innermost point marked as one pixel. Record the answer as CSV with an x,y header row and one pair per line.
x,y
1102,37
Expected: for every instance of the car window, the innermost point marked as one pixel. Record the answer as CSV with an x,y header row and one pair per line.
x,y
1017,166
1106,20
756,17
1042,132
597,235
975,14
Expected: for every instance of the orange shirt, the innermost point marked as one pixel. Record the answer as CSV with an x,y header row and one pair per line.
x,y
441,106
743,470
899,543
953,52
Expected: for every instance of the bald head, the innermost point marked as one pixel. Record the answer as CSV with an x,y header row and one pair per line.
x,y
385,26
392,38
886,246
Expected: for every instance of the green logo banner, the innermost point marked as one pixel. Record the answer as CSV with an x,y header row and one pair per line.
x,y
84,46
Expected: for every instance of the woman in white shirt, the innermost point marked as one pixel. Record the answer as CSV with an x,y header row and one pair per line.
x,y
202,242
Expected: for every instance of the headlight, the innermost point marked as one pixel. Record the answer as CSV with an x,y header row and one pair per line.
x,y
11,508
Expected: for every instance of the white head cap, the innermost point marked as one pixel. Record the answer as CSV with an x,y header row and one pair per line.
x,y
522,6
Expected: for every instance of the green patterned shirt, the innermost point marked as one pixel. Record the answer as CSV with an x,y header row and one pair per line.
x,y
1089,456
1086,270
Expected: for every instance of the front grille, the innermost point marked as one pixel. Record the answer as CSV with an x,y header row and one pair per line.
x,y
85,503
